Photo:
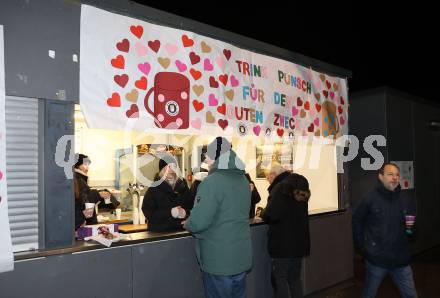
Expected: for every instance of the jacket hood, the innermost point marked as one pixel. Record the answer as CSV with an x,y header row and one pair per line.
x,y
295,187
228,161
277,180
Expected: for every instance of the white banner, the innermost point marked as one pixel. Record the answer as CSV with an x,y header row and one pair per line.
x,y
137,75
6,255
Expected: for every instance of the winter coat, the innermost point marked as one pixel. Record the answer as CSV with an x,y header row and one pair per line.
x,y
220,218
379,227
88,195
287,216
158,202
255,197
198,178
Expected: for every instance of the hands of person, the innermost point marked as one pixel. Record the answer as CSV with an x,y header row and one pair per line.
x,y
178,212
183,223
88,212
252,186
104,194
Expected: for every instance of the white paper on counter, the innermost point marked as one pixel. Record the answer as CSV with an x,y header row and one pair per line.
x,y
104,241
6,255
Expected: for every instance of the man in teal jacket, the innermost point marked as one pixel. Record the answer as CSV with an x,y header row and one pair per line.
x,y
220,223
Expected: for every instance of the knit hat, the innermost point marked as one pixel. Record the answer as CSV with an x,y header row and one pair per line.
x,y
165,160
217,147
81,159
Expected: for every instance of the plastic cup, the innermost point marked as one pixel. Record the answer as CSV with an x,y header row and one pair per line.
x,y
409,223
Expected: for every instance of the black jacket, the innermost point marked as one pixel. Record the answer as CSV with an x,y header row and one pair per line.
x,y
158,202
287,216
277,180
255,197
379,227
88,195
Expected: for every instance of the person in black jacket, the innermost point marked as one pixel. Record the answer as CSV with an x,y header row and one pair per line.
x,y
288,236
199,174
84,194
167,203
379,232
255,197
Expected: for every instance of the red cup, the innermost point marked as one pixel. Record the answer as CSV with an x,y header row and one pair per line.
x,y
171,100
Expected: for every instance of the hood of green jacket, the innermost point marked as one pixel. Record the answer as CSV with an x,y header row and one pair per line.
x,y
228,161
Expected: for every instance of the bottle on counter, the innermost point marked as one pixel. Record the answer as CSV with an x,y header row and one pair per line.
x,y
135,216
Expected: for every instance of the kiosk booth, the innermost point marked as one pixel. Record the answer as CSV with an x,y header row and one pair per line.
x,y
146,88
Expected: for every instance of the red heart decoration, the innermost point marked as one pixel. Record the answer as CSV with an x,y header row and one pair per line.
x,y
342,101
223,78
195,74
227,54
187,42
198,105
325,92
141,83
115,100
299,102
311,128
194,58
154,45
222,109
341,120
318,107
137,31
121,80
280,132
328,85
123,45
212,82
307,106
222,123
118,62
133,112
340,110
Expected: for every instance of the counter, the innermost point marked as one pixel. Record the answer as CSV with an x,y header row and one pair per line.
x,y
151,264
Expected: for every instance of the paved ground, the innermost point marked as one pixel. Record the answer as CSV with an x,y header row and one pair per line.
x,y
426,268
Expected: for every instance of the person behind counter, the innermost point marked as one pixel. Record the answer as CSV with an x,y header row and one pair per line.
x,y
199,174
255,197
167,204
84,194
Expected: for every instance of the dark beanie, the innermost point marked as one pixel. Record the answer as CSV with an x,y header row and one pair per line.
x,y
217,147
80,159
165,160
162,164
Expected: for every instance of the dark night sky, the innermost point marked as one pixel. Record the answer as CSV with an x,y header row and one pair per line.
x,y
393,46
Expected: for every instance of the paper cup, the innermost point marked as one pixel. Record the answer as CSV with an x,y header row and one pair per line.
x,y
118,213
90,205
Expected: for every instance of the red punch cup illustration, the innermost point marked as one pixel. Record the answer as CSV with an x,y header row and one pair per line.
x,y
171,100
409,223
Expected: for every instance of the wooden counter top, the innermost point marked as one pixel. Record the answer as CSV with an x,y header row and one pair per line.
x,y
132,228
